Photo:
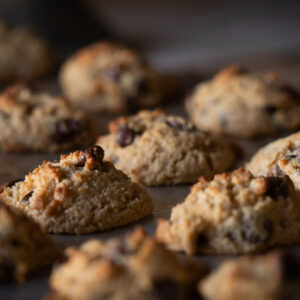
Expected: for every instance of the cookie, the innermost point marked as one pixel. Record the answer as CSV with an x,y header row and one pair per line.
x,y
238,103
274,276
234,213
109,77
33,120
79,194
23,54
279,158
24,247
137,267
155,148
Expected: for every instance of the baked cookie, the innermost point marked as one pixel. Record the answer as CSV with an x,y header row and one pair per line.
x,y
155,148
24,248
137,267
81,193
274,276
279,158
234,213
23,54
109,77
34,120
239,103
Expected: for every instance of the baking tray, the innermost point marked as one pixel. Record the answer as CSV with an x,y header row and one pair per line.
x,y
13,165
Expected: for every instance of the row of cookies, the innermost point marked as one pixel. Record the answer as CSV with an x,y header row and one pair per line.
x,y
138,267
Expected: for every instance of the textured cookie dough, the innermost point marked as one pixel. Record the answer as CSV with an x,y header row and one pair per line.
x,y
274,276
239,103
234,213
79,194
33,120
279,158
155,148
23,54
137,267
109,77
24,248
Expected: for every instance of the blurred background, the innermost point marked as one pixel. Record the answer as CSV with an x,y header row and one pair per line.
x,y
175,35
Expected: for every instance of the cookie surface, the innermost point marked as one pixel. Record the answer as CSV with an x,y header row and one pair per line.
x,y
274,276
137,267
155,148
34,120
234,213
279,158
23,54
24,247
239,103
109,77
81,193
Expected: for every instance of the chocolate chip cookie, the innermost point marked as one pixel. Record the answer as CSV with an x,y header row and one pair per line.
x,y
239,103
109,77
234,213
274,276
155,148
134,268
279,158
23,54
33,120
24,248
81,193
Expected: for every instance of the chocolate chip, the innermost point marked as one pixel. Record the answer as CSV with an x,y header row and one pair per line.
x,y
175,124
257,230
81,161
293,93
277,186
13,182
26,198
125,136
96,152
290,156
165,289
201,239
142,86
66,130
270,109
290,266
113,73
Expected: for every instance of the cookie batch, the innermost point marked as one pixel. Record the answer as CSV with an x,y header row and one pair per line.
x,y
102,182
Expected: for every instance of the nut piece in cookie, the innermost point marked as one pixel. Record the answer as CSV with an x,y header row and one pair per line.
x,y
109,77
234,213
272,276
279,158
33,120
81,193
24,247
155,148
136,267
23,54
239,103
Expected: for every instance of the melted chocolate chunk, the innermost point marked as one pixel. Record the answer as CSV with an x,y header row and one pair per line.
x,y
26,198
142,87
257,234
13,182
270,109
277,186
67,130
125,136
97,153
81,161
290,266
293,93
201,239
7,271
165,289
